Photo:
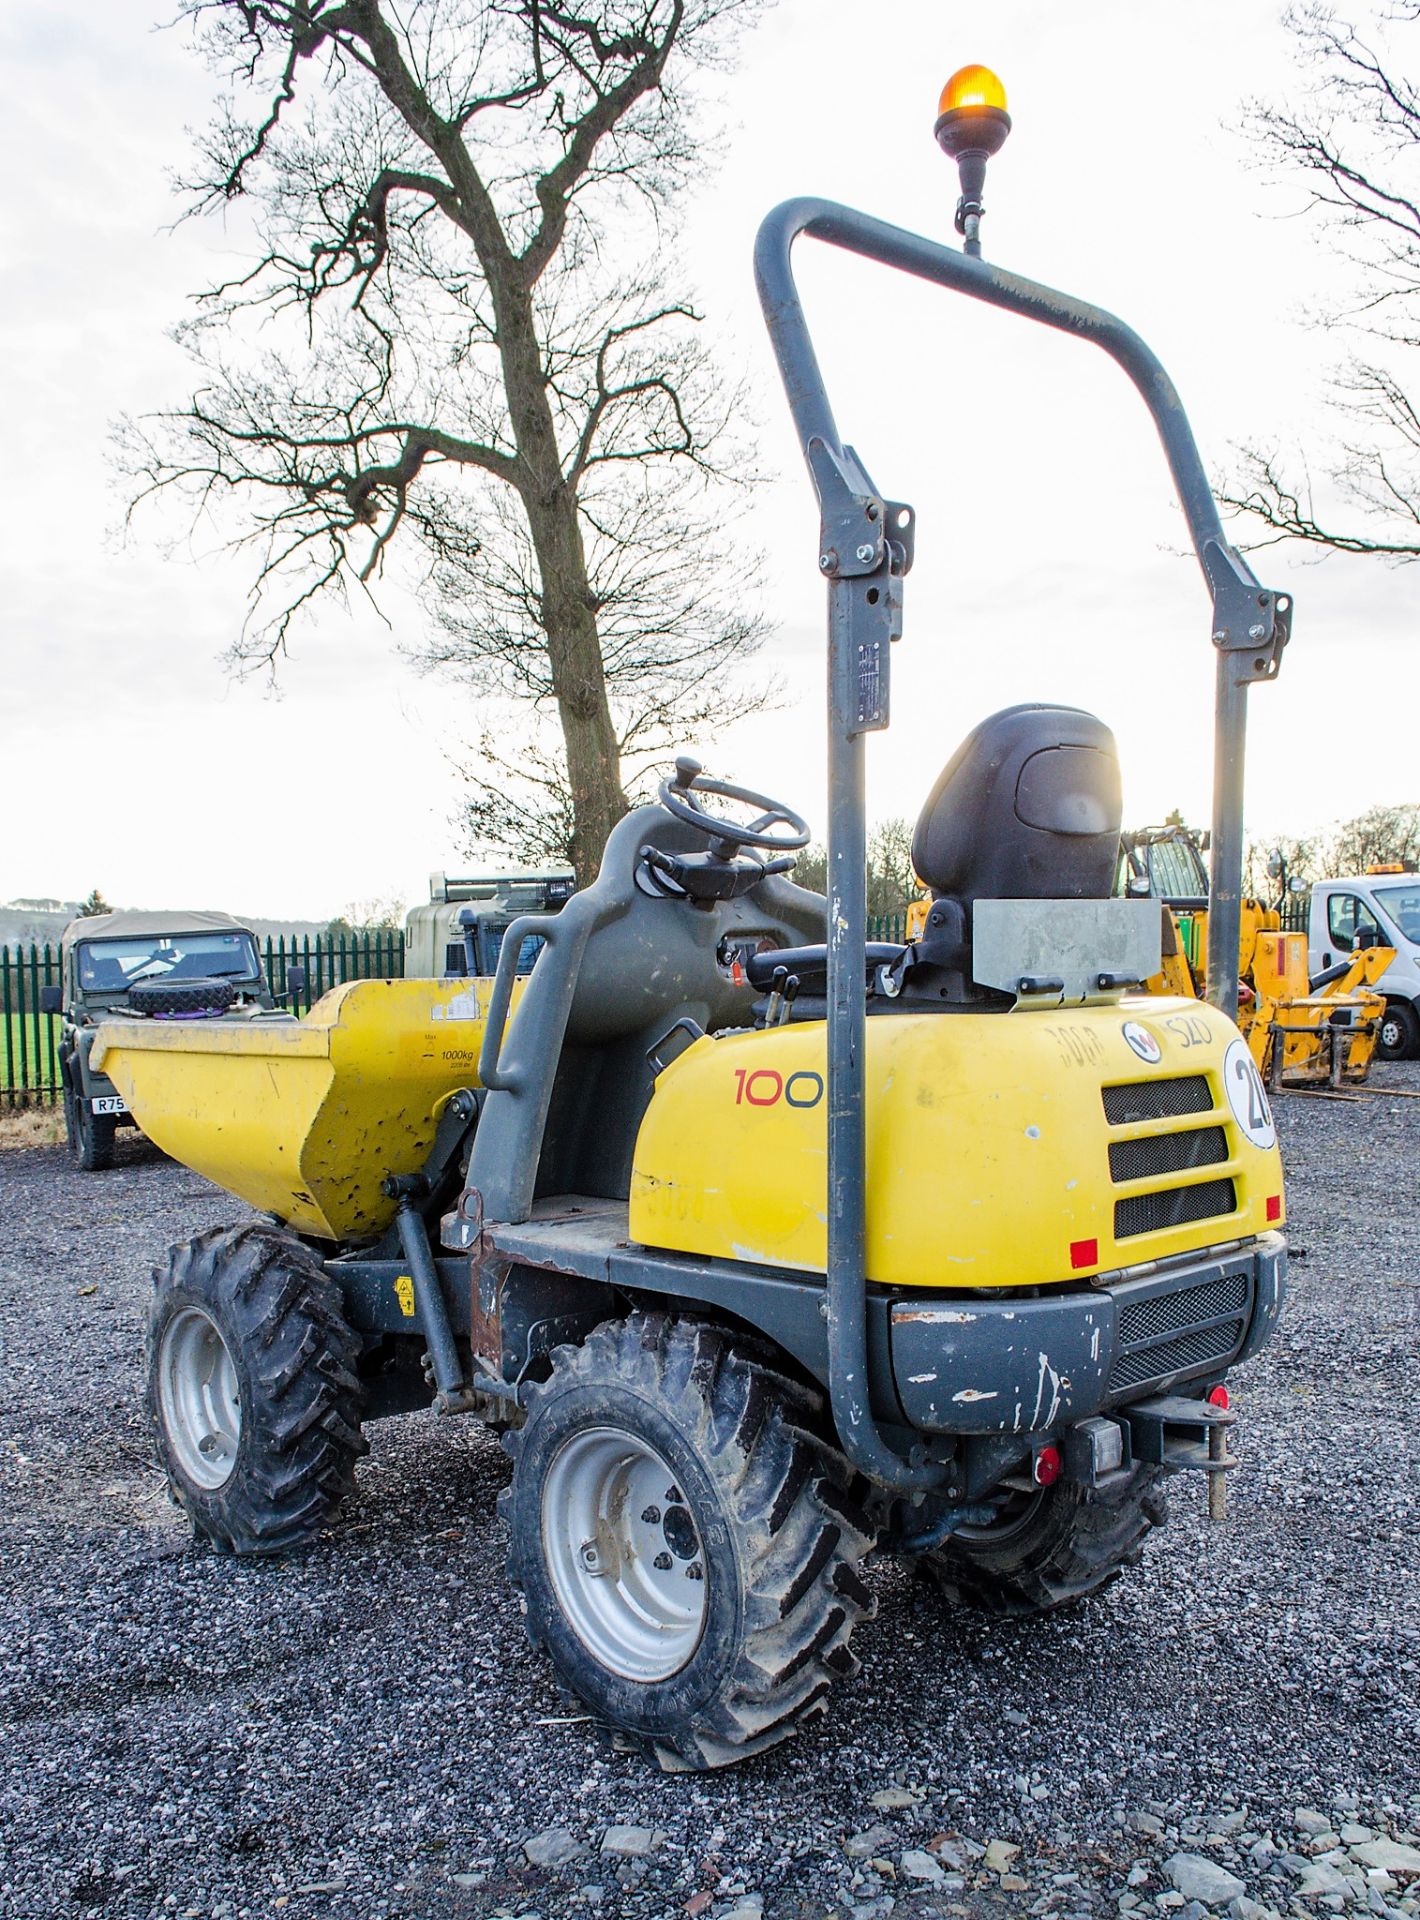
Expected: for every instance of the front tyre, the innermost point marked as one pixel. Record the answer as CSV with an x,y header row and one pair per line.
x,y
687,1552
91,1135
1050,1547
253,1393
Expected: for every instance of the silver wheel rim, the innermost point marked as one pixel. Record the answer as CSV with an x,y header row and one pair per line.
x,y
200,1397
623,1553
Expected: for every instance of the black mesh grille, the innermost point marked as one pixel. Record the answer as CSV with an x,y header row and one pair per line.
x,y
1163,1313
1167,1153
1173,1207
1196,1349
1180,1330
1156,1099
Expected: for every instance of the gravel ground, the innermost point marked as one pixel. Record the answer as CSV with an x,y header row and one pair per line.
x,y
364,1732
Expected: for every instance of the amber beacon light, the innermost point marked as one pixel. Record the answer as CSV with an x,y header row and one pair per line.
x,y
972,124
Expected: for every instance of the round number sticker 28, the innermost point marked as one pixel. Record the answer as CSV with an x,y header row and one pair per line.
x,y
1247,1096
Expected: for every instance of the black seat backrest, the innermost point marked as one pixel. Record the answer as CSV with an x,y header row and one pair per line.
x,y
1027,808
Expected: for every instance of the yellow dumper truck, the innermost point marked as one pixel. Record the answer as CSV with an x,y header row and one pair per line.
x,y
762,1244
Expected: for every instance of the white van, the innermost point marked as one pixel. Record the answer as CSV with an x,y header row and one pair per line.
x,y
1381,908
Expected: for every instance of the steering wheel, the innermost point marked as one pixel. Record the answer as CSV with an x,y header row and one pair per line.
x,y
678,799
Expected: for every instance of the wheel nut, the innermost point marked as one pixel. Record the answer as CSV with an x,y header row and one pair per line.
x,y
695,1571
662,1563
652,1516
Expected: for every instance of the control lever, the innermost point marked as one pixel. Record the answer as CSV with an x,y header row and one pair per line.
x,y
786,1006
776,994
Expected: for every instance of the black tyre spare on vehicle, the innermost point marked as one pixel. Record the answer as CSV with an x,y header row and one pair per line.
x,y
1051,1547
687,1548
253,1392
179,997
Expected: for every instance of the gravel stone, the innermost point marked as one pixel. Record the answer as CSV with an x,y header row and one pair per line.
x,y
918,1865
1393,1855
862,1846
554,1847
632,1843
895,1799
1198,1878
184,1731
1320,1878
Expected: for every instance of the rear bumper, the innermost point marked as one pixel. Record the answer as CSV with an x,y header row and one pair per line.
x,y
977,1365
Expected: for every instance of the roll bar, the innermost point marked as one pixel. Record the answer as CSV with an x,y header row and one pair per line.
x,y
865,550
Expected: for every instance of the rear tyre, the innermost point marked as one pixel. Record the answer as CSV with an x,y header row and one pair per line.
x,y
687,1551
1051,1547
92,1136
253,1393
1398,1037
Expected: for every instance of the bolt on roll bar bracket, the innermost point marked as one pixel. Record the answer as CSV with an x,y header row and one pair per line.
x,y
865,548
1247,620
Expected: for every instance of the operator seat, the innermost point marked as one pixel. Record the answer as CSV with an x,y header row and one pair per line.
x,y
1027,808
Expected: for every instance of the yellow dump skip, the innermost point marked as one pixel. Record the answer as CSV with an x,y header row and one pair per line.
x,y
305,1118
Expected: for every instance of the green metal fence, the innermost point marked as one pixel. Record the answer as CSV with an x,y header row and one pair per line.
x,y
887,926
29,1039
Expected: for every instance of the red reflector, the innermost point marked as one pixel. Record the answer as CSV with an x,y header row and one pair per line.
x,y
1086,1253
1274,1206
1047,1466
1219,1398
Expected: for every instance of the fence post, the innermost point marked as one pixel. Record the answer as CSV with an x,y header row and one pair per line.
x,y
6,1006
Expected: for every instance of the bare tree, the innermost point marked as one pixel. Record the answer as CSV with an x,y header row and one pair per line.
x,y
1354,144
460,335
891,880
1380,835
1268,865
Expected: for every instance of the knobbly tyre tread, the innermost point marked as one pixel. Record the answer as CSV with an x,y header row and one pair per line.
x,y
297,1357
181,996
785,1497
1074,1545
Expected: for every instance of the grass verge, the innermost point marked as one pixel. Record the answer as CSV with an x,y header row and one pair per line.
x,y
39,1126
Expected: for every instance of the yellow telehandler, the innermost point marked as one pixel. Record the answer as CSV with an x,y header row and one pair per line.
x,y
1302,1032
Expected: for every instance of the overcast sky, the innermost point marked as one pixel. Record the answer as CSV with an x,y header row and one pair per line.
x,y
1049,549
